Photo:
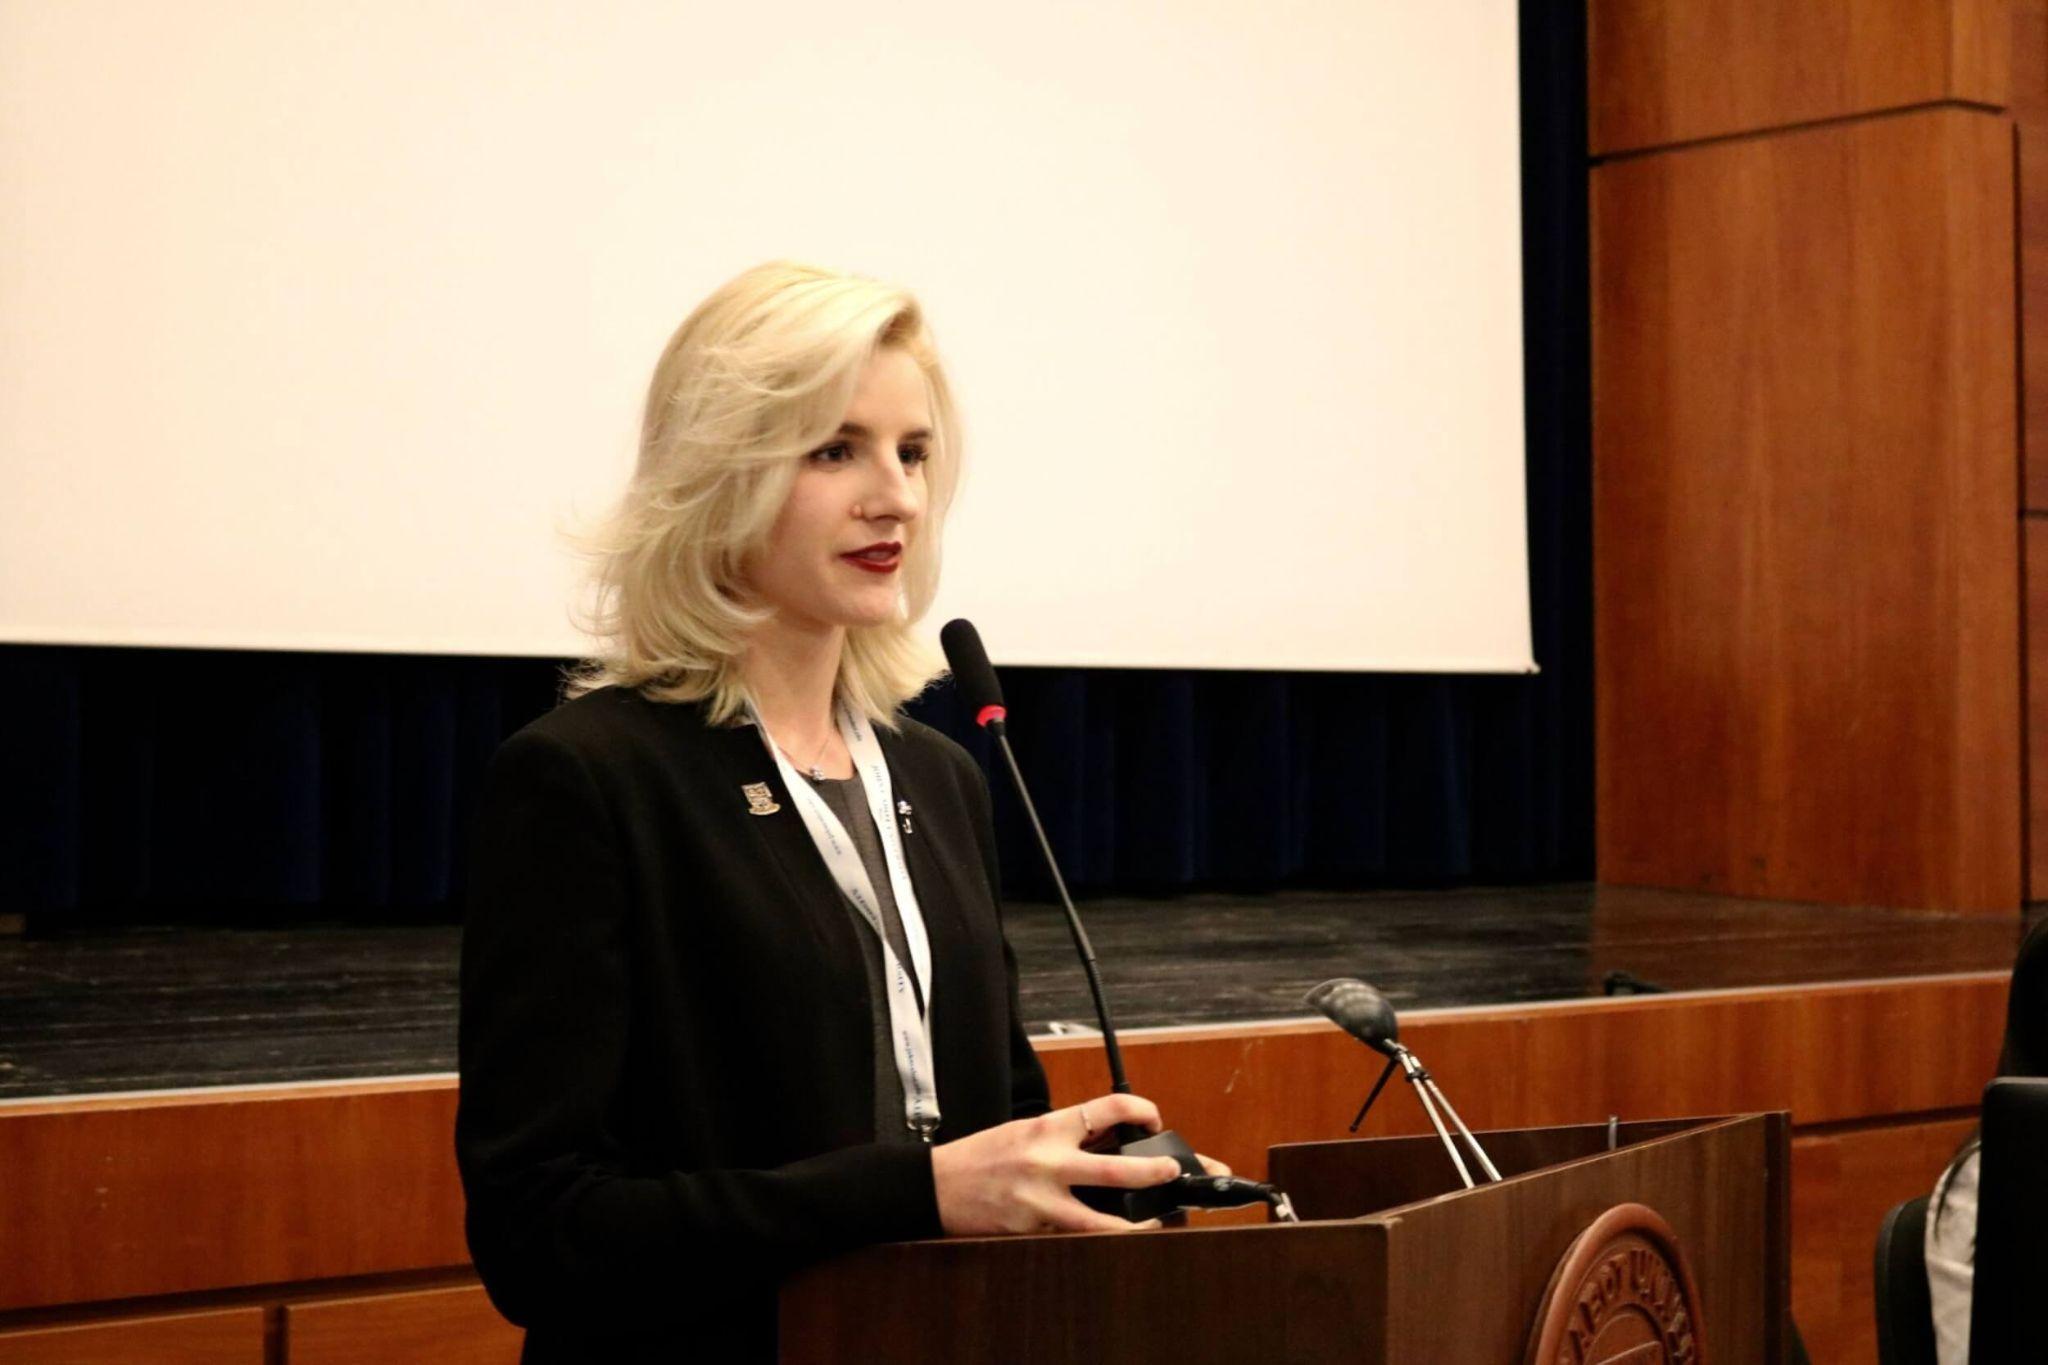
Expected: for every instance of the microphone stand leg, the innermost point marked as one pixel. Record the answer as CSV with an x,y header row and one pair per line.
x,y
1377,1086
1419,1078
1464,1132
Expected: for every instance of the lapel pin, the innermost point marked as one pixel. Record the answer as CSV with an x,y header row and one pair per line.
x,y
760,800
903,809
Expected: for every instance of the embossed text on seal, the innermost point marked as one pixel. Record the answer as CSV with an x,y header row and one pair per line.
x,y
1622,1295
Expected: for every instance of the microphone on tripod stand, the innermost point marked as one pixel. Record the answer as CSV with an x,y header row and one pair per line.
x,y
1366,1015
1194,1187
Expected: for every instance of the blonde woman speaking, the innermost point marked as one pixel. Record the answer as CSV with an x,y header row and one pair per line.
x,y
735,993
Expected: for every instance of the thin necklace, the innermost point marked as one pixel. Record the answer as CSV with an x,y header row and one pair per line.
x,y
814,768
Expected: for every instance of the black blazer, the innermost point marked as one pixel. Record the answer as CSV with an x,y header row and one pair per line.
x,y
667,1096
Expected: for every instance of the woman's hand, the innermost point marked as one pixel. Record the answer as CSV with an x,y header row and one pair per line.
x,y
1016,1177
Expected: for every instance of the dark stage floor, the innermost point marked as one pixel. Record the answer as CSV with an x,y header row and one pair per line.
x,y
168,1008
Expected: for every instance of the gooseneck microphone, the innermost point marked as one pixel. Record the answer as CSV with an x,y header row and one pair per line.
x,y
1365,1014
975,678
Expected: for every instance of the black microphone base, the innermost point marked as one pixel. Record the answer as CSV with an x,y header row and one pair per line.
x,y
1153,1201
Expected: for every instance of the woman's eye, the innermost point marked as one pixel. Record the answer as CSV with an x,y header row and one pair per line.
x,y
915,454
836,453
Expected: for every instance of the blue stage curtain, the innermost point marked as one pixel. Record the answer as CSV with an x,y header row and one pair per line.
x,y
161,784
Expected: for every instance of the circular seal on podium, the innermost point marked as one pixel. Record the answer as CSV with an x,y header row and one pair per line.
x,y
1622,1295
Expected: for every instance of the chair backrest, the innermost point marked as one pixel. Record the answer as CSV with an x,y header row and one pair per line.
x,y
1905,1314
2012,1224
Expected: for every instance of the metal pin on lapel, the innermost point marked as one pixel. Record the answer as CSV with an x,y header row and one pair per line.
x,y
903,809
760,798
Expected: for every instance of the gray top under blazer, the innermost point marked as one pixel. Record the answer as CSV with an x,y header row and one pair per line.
x,y
850,803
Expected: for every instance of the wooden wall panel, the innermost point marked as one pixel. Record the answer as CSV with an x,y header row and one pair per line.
x,y
441,1326
2030,120
1842,1184
1806,580
1662,73
115,1199
232,1336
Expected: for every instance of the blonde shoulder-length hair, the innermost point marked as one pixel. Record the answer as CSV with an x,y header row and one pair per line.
x,y
757,377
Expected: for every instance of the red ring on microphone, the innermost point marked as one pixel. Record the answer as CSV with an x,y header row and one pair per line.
x,y
989,713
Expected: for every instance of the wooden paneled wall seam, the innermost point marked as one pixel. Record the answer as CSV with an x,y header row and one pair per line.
x,y
454,1326
2030,118
2030,131
1660,74
230,1336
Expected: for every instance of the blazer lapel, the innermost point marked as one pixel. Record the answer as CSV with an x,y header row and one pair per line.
x,y
779,839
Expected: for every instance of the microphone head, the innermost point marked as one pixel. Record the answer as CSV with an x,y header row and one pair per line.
x,y
1360,1011
972,672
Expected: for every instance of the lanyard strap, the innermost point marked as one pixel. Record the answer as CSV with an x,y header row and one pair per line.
x,y
909,1027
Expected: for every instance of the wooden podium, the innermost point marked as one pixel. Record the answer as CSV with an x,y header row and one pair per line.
x,y
1392,1264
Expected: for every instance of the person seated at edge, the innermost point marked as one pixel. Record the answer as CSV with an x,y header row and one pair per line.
x,y
1950,1243
735,993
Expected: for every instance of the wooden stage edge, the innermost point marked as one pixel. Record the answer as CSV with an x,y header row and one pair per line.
x,y
282,1194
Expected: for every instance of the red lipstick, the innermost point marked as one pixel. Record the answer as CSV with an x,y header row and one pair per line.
x,y
884,556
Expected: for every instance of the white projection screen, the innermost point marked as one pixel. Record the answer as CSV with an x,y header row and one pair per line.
x,y
318,320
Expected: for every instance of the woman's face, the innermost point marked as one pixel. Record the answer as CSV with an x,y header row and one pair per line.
x,y
835,554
